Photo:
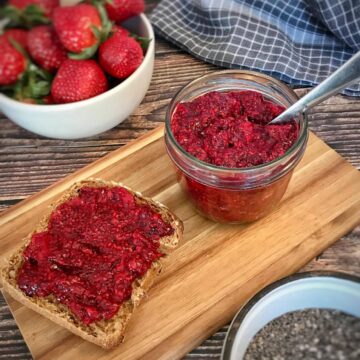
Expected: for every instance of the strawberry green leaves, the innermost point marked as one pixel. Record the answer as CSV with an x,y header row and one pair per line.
x,y
30,16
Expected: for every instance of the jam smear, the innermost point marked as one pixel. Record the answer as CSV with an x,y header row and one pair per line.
x,y
230,129
96,245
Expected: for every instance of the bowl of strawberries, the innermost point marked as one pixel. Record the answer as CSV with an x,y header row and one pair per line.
x,y
73,71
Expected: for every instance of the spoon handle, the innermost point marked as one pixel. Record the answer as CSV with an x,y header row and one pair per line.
x,y
344,76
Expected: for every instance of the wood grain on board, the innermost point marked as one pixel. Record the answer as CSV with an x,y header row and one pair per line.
x,y
216,268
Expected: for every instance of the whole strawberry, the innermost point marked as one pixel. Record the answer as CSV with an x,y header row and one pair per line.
x,y
120,10
76,26
120,55
78,80
45,47
45,6
12,63
19,35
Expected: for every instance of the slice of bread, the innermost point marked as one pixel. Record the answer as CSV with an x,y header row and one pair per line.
x,y
105,333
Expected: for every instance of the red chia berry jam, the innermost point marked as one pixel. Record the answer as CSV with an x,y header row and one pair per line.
x,y
230,129
96,244
232,206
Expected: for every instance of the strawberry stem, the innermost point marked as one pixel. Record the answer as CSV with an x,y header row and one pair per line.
x,y
143,41
106,24
85,54
18,47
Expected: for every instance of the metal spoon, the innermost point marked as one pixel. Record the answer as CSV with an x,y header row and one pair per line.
x,y
344,76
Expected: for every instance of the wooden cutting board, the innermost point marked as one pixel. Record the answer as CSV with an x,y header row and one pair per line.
x,y
216,268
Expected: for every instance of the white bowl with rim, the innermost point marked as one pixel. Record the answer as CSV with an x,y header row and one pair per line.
x,y
317,289
91,116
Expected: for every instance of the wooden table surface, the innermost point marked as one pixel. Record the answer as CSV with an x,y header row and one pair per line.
x,y
29,163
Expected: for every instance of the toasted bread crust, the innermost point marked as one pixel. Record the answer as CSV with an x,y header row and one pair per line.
x,y
105,333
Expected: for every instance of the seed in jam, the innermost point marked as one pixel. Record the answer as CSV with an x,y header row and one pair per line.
x,y
95,246
231,129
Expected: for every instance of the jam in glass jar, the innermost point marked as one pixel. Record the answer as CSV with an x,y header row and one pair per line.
x,y
233,167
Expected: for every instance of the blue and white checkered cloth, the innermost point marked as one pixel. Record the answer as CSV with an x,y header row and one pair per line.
x,y
300,42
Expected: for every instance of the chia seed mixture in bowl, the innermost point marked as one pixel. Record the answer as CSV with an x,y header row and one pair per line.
x,y
308,334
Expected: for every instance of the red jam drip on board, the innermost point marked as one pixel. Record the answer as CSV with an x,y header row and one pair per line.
x,y
96,245
230,129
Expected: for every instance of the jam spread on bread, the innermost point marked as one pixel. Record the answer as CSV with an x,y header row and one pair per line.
x,y
230,129
96,245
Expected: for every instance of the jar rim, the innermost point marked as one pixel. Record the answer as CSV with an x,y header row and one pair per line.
x,y
297,144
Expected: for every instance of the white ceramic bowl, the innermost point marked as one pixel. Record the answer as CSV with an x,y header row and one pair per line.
x,y
323,290
92,116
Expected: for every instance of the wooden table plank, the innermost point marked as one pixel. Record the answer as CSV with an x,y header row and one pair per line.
x,y
12,345
29,163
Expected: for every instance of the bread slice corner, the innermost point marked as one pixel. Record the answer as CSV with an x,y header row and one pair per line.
x,y
105,333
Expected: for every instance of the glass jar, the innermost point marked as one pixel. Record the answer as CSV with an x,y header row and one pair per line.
x,y
235,195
